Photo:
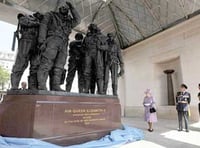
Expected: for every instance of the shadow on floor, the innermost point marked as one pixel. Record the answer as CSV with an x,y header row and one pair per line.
x,y
165,134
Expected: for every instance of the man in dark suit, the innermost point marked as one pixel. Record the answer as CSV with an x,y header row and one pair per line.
x,y
199,99
182,101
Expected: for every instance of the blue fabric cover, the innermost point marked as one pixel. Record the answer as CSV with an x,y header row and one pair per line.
x,y
116,139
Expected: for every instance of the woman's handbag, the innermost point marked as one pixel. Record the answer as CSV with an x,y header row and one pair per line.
x,y
152,110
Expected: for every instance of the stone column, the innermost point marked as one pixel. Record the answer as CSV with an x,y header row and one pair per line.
x,y
170,88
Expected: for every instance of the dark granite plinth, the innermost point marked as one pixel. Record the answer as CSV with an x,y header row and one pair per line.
x,y
58,117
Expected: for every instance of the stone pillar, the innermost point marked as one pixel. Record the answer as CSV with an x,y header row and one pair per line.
x,y
170,88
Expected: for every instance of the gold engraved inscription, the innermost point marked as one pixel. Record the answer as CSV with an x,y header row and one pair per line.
x,y
84,116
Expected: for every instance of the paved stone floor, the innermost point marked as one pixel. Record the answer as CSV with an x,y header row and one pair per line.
x,y
165,134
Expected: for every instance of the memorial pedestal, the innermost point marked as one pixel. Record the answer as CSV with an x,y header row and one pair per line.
x,y
58,117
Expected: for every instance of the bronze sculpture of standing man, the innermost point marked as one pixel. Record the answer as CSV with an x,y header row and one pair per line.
x,y
113,61
53,40
94,44
28,27
76,63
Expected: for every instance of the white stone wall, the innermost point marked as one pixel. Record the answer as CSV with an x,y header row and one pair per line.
x,y
177,48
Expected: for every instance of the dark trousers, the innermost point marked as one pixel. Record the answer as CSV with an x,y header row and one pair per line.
x,y
113,68
94,63
199,109
181,115
52,59
24,55
73,66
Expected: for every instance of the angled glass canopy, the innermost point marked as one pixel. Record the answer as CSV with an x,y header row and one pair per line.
x,y
131,20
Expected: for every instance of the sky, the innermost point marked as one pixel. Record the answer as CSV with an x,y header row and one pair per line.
x,y
6,36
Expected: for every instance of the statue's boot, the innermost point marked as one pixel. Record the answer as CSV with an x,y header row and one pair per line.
x,y
105,86
81,85
92,86
81,89
114,88
56,80
32,82
68,86
87,85
100,86
15,79
42,78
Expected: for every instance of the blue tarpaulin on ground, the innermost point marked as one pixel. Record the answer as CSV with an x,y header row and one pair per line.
x,y
116,139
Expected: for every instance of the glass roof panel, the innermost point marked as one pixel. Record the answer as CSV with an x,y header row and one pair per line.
x,y
130,20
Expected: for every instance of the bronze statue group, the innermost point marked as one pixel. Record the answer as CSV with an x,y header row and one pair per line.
x,y
43,42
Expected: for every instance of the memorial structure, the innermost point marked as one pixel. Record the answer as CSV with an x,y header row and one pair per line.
x,y
58,117
54,115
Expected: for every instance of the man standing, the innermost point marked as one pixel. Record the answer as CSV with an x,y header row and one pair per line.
x,y
182,101
94,44
199,99
53,39
28,28
23,85
76,61
113,60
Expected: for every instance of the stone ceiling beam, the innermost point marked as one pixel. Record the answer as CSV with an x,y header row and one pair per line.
x,y
130,20
182,5
148,7
116,25
23,2
79,31
41,4
98,10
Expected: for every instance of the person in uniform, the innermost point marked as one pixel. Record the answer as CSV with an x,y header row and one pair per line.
x,y
199,100
53,39
113,60
182,101
27,50
76,61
